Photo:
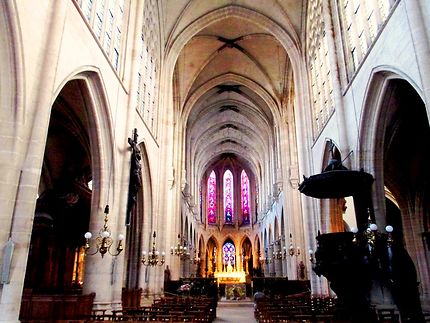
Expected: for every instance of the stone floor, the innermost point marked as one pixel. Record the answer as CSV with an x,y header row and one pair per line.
x,y
235,312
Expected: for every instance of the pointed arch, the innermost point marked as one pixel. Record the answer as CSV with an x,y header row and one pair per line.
x,y
211,198
393,125
228,252
93,121
245,197
288,37
213,252
101,115
276,229
228,192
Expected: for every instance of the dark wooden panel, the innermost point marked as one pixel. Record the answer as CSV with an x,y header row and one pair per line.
x,y
55,307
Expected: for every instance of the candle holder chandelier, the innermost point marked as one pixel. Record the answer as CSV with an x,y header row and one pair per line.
x,y
104,241
180,249
153,257
292,250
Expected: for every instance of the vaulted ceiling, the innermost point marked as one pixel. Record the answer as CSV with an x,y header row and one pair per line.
x,y
230,80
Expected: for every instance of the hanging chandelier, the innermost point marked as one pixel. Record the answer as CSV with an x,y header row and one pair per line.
x,y
292,250
180,249
153,257
104,241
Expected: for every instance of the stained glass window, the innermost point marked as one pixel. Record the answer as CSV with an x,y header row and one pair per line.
x,y
228,196
228,252
201,203
360,23
245,197
212,198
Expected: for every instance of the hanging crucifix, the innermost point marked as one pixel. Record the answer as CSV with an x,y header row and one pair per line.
x,y
135,176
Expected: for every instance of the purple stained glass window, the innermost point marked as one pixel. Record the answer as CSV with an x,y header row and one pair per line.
x,y
245,197
228,251
212,198
228,196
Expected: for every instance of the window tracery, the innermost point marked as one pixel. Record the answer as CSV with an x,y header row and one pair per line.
x,y
148,66
320,72
360,23
106,18
212,198
245,197
229,195
229,256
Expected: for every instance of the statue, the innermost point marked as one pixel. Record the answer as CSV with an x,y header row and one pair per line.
x,y
229,267
334,162
135,175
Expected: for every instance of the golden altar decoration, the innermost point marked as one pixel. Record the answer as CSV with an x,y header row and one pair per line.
x,y
230,276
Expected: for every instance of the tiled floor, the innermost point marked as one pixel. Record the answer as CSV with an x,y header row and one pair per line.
x,y
235,312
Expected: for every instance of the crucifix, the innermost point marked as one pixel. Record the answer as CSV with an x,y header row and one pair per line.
x,y
135,175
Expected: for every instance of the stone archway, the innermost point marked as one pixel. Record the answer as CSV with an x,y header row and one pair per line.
x,y
55,266
393,147
405,168
213,252
247,256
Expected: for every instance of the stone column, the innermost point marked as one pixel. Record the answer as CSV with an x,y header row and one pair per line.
x,y
100,272
420,38
272,266
284,260
266,266
35,131
278,261
333,59
186,261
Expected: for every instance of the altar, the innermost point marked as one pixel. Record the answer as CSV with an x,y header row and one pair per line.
x,y
230,277
234,283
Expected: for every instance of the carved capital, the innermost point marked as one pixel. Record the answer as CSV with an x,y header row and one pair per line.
x,y
294,176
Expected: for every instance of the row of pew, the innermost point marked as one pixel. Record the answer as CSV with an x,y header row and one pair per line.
x,y
304,308
165,309
294,308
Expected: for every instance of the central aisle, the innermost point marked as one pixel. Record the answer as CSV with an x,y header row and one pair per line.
x,y
235,312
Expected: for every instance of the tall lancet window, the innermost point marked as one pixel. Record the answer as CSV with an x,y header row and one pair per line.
x,y
245,197
228,251
212,198
228,196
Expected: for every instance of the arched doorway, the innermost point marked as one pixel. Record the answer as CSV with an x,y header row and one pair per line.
x,y
55,266
200,261
247,257
259,259
395,131
212,251
406,160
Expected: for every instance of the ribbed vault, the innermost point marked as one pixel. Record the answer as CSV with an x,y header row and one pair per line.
x,y
231,78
